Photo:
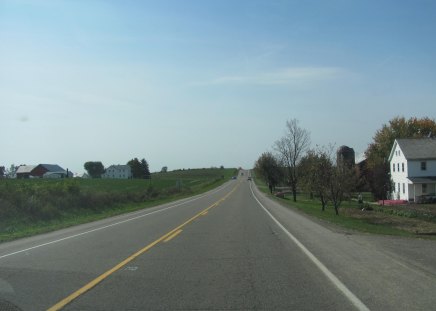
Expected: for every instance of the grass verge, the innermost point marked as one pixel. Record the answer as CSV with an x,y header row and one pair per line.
x,y
30,207
353,218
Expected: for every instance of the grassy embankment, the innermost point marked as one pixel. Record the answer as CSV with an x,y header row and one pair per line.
x,y
29,207
400,220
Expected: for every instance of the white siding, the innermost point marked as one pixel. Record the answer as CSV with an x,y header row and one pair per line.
x,y
415,168
398,175
118,172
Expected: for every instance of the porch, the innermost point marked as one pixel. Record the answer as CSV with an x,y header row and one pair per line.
x,y
422,189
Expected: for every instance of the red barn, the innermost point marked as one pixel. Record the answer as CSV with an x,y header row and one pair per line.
x,y
38,171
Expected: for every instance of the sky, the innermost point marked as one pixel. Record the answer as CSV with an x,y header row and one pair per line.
x,y
193,84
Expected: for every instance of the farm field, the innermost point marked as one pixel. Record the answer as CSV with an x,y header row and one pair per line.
x,y
33,206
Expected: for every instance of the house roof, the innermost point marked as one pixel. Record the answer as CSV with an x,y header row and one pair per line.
x,y
25,169
423,180
119,166
52,167
417,149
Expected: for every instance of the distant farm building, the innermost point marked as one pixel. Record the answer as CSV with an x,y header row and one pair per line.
x,y
42,171
118,172
345,156
25,171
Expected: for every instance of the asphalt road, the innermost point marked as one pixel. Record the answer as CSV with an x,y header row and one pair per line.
x,y
229,249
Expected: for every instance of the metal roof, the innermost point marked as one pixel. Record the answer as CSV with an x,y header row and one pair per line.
x,y
418,149
25,169
52,167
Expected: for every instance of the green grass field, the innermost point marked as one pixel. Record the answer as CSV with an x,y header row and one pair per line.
x,y
33,206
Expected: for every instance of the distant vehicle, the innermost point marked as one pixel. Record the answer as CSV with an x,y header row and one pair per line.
x,y
233,177
249,178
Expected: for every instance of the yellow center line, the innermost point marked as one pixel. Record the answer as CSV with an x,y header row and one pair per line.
x,y
172,236
99,279
204,213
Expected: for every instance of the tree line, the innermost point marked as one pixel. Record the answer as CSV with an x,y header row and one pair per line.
x,y
139,168
95,169
328,178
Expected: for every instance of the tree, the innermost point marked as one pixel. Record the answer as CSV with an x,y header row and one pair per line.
x,y
315,168
327,178
145,169
378,151
341,183
2,171
164,169
11,173
267,166
94,168
136,168
139,169
291,148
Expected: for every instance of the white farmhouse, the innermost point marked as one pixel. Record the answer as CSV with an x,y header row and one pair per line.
x,y
413,168
118,172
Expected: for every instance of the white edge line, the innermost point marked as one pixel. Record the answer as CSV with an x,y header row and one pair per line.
x,y
111,225
341,286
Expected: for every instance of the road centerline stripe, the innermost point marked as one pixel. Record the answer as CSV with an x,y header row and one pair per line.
x,y
61,304
172,236
336,282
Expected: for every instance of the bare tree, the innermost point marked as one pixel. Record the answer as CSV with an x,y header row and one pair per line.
x,y
315,170
291,148
341,183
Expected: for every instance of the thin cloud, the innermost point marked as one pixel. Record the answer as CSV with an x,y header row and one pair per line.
x,y
287,76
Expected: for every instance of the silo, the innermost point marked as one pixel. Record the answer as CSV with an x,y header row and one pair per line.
x,y
345,156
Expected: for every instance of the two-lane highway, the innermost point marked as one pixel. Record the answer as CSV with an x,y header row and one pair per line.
x,y
229,249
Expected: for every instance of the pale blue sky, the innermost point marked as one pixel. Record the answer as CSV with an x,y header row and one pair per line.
x,y
189,84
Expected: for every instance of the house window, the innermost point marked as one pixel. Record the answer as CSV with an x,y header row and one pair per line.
x,y
398,167
402,167
399,187
423,166
424,188
393,167
404,188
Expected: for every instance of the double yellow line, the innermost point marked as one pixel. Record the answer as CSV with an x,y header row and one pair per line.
x,y
165,238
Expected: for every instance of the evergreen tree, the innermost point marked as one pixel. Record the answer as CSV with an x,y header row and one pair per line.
x,y
140,169
135,166
145,169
